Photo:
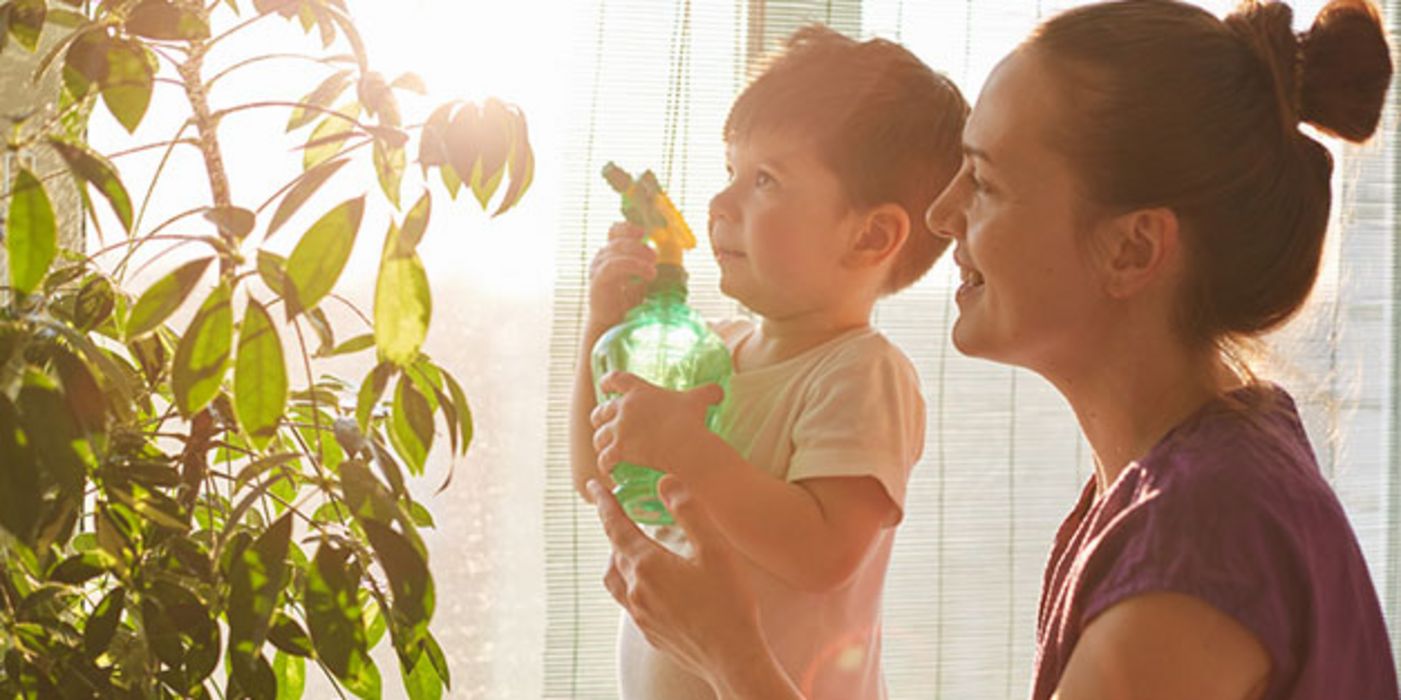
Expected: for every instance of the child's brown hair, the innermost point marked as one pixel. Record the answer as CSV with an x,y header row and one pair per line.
x,y
890,127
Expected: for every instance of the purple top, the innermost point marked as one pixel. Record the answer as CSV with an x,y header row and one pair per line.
x,y
1229,508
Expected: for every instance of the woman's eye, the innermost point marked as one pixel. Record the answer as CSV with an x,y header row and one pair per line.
x,y
979,187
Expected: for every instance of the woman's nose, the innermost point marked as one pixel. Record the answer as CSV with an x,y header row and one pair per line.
x,y
945,216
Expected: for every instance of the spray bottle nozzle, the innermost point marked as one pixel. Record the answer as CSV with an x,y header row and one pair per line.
x,y
645,205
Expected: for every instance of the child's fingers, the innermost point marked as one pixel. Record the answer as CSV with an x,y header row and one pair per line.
x,y
621,383
602,439
603,413
625,230
618,270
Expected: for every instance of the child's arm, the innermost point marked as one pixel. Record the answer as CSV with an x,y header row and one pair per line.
x,y
812,534
616,284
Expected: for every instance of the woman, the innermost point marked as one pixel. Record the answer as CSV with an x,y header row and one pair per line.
x,y
1137,202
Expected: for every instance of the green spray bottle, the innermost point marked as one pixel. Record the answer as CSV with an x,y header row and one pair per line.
x,y
661,340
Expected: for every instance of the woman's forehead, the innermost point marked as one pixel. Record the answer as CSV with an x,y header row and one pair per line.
x,y
1011,118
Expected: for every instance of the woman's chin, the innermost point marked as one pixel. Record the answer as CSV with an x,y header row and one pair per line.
x,y
969,340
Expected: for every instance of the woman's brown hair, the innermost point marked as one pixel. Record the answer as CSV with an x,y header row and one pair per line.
x,y
1172,107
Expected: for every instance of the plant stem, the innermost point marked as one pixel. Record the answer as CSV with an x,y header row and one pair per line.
x,y
207,127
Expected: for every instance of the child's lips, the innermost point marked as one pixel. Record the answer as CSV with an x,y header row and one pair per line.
x,y
728,255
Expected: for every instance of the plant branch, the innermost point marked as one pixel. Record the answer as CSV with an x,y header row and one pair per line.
x,y
258,59
293,105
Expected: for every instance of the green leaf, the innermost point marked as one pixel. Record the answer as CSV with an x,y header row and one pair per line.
x,y
287,634
464,410
79,568
81,393
403,303
370,392
409,578
367,498
421,516
260,376
335,620
411,82
494,133
20,492
422,683
522,164
257,580
166,21
85,60
26,19
411,425
415,225
316,318
126,86
233,222
256,468
360,342
30,235
389,167
463,142
164,297
323,95
307,185
90,167
376,621
291,676
317,261
94,304
440,661
202,357
433,142
329,136
102,624
272,269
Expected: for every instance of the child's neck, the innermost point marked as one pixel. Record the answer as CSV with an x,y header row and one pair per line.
x,y
779,339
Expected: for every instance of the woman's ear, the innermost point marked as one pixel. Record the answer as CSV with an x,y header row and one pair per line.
x,y
1136,249
882,234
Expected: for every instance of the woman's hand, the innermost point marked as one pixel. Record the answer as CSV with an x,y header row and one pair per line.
x,y
699,610
648,425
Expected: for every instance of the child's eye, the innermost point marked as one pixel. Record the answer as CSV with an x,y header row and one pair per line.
x,y
763,179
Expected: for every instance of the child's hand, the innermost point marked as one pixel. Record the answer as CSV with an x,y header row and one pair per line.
x,y
619,274
647,425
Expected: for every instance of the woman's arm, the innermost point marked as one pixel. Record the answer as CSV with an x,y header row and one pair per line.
x,y
1165,645
699,610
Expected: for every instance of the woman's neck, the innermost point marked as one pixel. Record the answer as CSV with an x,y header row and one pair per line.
x,y
1127,400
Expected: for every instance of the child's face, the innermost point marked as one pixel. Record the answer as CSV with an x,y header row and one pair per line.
x,y
781,228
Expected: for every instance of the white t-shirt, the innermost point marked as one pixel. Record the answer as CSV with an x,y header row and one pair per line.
x,y
850,407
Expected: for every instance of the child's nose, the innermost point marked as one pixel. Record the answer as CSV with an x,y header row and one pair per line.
x,y
720,207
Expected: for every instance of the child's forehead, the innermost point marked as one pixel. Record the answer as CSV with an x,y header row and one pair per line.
x,y
786,149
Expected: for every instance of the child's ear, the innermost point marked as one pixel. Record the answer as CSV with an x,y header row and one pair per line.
x,y
883,232
1135,249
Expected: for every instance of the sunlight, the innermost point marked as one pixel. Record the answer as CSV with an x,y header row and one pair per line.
x,y
472,50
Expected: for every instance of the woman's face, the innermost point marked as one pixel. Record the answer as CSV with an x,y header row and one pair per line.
x,y
1030,294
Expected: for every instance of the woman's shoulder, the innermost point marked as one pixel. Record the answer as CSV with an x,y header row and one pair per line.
x,y
1240,445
